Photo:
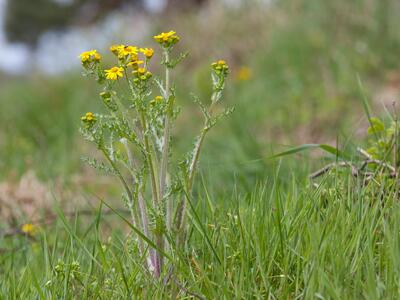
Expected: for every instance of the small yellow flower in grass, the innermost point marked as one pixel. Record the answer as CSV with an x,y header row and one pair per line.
x,y
167,39
244,74
114,73
29,229
148,52
90,56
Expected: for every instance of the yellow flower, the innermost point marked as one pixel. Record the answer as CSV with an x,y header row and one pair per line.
x,y
156,100
128,50
122,51
114,73
167,39
89,118
90,56
29,229
141,71
142,74
85,56
135,63
220,67
148,52
244,73
116,48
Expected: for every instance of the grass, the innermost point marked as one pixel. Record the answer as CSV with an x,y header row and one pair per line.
x,y
259,228
285,240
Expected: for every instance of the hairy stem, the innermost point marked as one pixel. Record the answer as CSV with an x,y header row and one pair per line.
x,y
141,206
164,157
156,200
181,211
166,137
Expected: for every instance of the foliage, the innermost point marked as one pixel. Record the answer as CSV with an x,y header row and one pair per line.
x,y
284,240
134,137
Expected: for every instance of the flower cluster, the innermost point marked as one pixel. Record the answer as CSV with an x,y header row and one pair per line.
x,y
89,119
128,56
167,39
123,51
220,67
90,56
141,75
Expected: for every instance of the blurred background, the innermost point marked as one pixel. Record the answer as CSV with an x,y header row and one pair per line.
x,y
296,68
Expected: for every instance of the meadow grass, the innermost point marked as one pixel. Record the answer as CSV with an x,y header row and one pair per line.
x,y
284,240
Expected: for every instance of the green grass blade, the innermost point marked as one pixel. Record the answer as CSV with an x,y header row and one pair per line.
x,y
136,230
327,148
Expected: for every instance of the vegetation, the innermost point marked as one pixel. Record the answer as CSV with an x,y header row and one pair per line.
x,y
261,224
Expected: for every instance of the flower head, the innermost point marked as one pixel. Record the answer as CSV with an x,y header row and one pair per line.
x,y
244,74
123,51
114,73
141,74
89,119
29,229
128,50
90,56
157,100
116,48
141,71
167,39
148,52
135,63
220,67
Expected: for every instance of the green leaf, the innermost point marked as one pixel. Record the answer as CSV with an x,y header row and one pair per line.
x,y
325,147
376,126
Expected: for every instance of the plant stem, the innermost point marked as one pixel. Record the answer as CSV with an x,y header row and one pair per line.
x,y
181,211
164,159
156,200
166,137
149,159
141,206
